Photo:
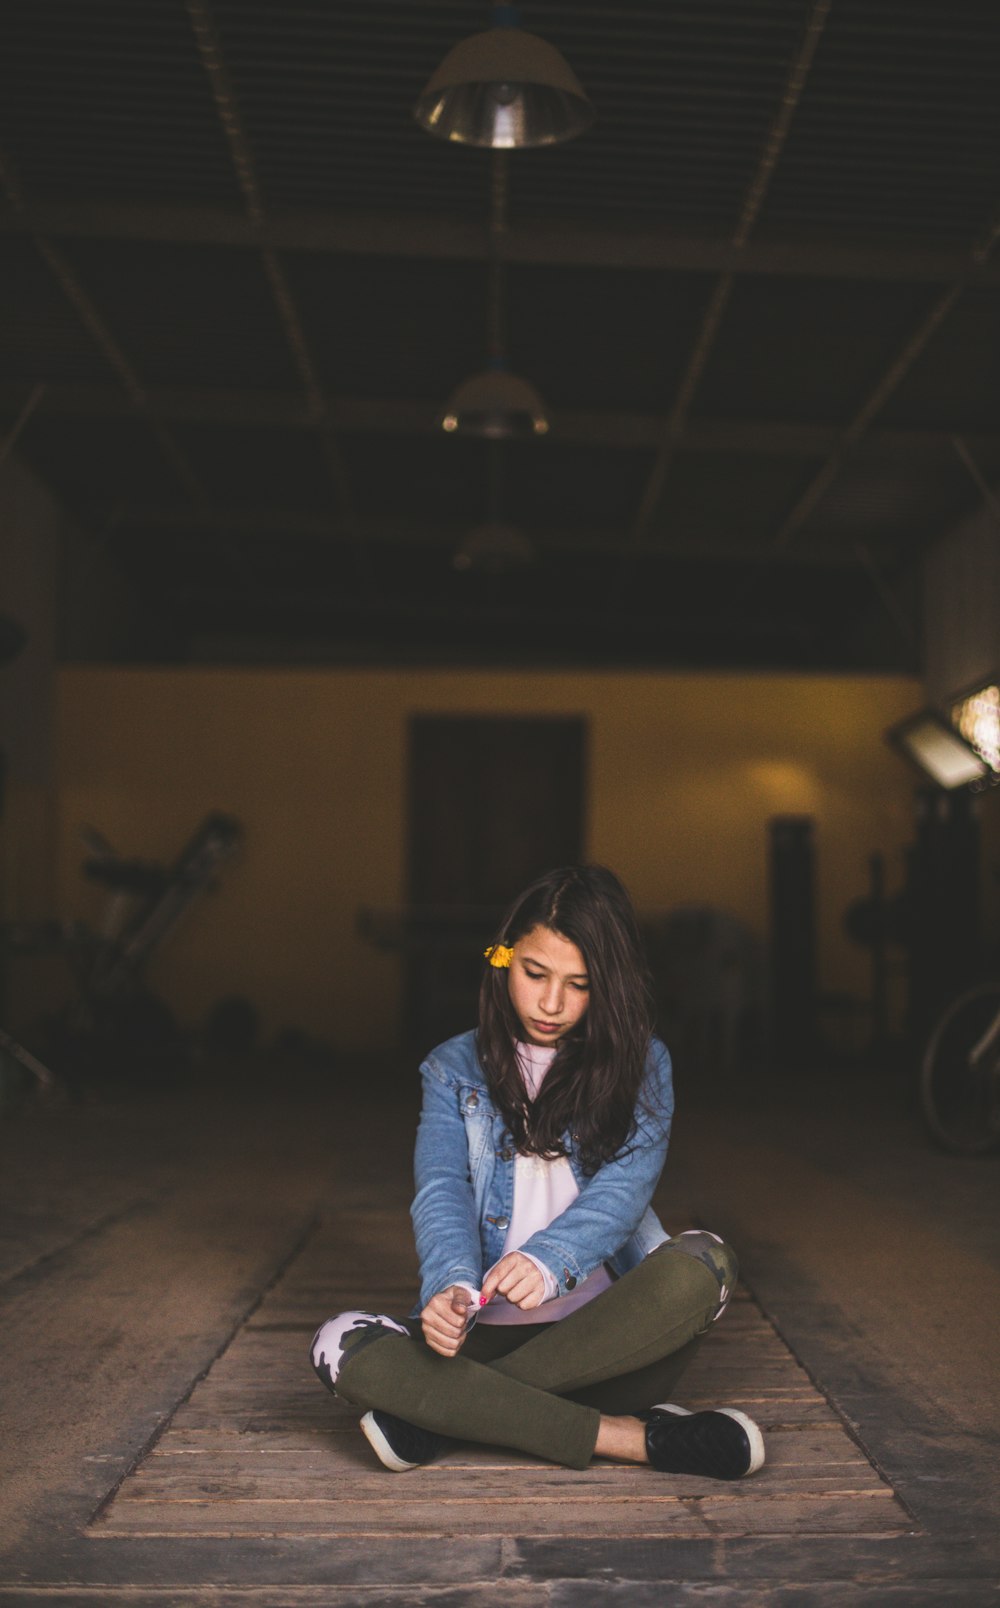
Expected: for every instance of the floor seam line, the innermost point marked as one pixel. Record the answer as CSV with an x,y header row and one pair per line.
x,y
284,1263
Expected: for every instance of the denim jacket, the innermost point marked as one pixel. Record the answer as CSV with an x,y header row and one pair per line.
x,y
464,1174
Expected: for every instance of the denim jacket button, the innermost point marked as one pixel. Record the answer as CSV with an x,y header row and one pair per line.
x,y
472,1102
502,1222
569,1280
506,1154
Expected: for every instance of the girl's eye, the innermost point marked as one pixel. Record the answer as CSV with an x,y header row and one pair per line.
x,y
538,977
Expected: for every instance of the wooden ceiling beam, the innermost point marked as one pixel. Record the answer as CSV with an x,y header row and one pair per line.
x,y
566,245
133,521
282,410
397,417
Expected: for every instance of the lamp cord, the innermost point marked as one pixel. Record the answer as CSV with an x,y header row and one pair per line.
x,y
499,191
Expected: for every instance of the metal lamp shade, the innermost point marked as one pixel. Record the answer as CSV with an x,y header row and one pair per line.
x,y
495,404
505,89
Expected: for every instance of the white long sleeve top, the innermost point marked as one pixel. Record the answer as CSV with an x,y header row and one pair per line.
x,y
543,1188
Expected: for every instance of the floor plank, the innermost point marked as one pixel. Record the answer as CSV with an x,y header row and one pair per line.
x,y
562,1515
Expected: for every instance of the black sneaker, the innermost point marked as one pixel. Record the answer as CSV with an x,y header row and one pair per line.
x,y
723,1444
400,1445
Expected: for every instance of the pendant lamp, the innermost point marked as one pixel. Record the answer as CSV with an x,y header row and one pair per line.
x,y
494,548
505,89
495,404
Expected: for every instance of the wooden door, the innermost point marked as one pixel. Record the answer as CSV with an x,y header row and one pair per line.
x,y
493,803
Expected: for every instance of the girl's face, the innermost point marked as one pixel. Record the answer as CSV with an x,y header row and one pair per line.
x,y
548,985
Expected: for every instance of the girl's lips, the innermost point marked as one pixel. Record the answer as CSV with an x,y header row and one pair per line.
x,y
546,1027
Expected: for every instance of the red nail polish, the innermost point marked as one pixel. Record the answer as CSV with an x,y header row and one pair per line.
x,y
483,1300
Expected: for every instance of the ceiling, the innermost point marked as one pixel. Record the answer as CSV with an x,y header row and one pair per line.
x,y
759,298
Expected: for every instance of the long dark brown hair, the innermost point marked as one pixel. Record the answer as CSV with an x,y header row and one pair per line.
x,y
592,1088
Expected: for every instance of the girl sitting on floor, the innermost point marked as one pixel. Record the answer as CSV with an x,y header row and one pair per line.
x,y
555,1314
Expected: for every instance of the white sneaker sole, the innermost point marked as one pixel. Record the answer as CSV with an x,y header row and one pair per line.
x,y
380,1446
752,1430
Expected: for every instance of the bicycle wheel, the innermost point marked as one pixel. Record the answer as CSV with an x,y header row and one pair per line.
x,y
960,1091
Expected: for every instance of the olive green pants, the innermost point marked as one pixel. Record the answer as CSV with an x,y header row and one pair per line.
x,y
541,1388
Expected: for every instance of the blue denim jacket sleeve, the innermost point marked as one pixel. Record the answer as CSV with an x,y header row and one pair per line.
x,y
612,1203
445,1220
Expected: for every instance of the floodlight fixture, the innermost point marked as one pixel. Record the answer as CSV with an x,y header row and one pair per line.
x,y
938,750
977,716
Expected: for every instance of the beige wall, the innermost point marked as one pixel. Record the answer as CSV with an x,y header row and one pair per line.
x,y
56,586
685,771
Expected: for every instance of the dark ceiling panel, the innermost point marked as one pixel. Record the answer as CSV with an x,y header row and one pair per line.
x,y
729,497
900,129
434,477
326,96
955,383
893,506
94,464
187,316
807,350
42,337
611,338
189,559
549,485
109,98
685,96
240,469
380,327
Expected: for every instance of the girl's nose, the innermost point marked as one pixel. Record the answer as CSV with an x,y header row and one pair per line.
x,y
551,1000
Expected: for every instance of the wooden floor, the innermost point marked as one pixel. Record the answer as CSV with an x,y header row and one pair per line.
x,y
165,1261
259,1449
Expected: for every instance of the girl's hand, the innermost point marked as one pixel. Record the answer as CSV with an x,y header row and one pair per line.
x,y
444,1320
516,1277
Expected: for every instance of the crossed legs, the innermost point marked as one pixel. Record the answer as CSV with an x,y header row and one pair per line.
x,y
541,1388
